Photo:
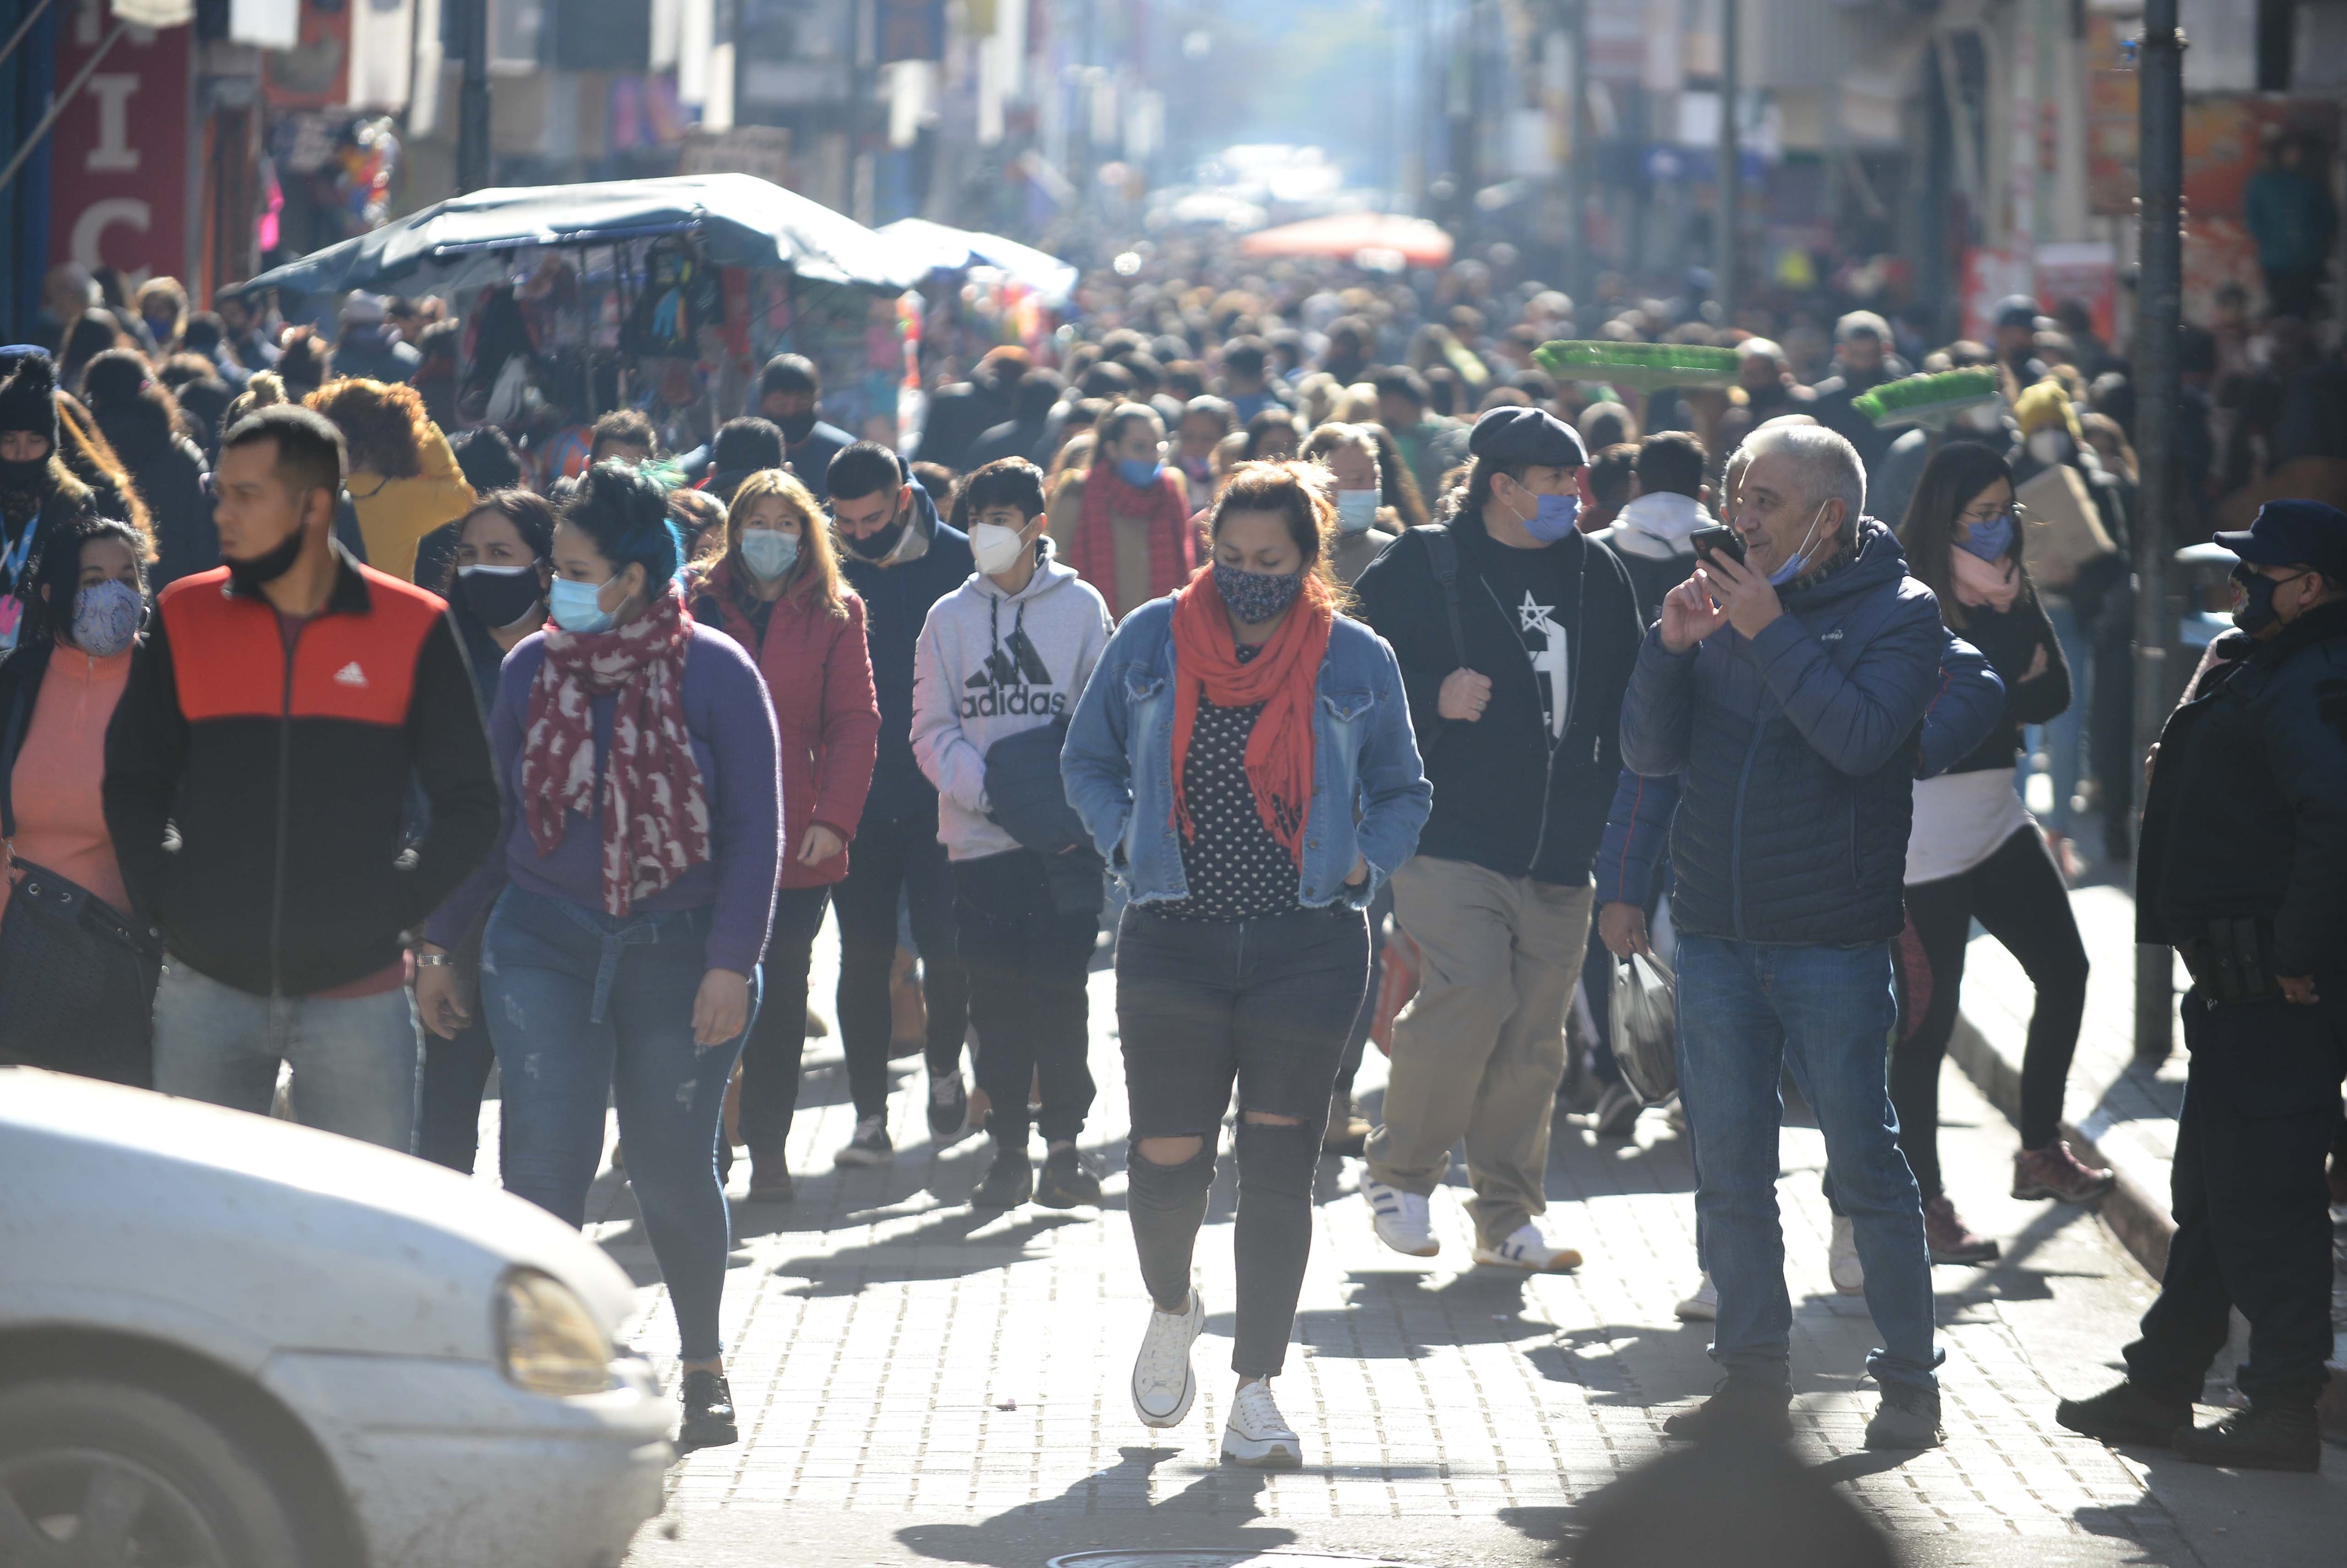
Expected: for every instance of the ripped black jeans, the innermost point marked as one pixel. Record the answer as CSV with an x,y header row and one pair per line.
x,y
1266,1004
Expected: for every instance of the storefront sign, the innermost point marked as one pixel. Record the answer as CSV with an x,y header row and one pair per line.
x,y
119,151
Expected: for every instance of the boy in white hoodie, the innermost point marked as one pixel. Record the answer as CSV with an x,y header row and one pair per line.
x,y
1651,531
1006,654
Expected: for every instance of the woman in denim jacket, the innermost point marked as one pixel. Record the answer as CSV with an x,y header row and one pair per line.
x,y
1243,757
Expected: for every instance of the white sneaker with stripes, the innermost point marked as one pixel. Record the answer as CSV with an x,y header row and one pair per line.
x,y
1401,1219
1527,1249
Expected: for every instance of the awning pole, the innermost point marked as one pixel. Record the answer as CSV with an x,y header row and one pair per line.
x,y
57,110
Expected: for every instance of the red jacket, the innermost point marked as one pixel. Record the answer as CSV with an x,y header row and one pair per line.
x,y
819,674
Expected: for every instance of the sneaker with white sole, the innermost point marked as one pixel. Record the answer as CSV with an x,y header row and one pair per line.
x,y
1527,1249
1703,1307
1616,1115
870,1146
1164,1382
948,1109
1401,1219
1258,1434
1848,1275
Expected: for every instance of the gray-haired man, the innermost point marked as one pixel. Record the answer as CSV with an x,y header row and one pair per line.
x,y
1790,688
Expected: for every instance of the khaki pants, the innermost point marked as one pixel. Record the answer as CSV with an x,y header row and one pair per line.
x,y
1480,1053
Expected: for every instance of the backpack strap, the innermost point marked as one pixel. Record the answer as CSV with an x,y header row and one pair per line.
x,y
1442,556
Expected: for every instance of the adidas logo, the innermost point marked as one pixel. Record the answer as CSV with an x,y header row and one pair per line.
x,y
349,674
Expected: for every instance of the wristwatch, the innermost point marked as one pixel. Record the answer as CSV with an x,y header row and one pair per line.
x,y
435,960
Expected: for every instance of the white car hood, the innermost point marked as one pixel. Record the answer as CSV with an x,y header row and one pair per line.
x,y
245,1234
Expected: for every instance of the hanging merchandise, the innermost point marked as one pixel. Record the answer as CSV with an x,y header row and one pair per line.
x,y
681,294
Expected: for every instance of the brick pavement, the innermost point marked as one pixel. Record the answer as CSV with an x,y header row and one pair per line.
x,y
911,1377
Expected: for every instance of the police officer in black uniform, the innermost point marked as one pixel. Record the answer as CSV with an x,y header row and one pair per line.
x,y
2244,871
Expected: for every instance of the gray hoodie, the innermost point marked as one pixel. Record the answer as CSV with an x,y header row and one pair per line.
x,y
992,664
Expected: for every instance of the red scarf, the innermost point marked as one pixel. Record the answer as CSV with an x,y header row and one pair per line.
x,y
1284,678
1172,545
655,812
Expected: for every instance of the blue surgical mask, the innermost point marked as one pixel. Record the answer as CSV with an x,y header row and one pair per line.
x,y
1139,472
1989,538
1554,517
1792,566
1356,511
578,606
768,552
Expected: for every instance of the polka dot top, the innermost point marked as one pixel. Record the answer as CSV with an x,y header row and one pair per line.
x,y
1235,869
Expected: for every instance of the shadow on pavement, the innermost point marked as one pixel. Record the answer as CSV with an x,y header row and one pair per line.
x,y
1112,1508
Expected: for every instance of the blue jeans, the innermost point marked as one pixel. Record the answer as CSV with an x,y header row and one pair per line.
x,y
2061,736
353,1058
584,1006
1747,1011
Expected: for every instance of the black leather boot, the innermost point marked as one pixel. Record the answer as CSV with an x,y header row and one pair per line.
x,y
2264,1437
2125,1414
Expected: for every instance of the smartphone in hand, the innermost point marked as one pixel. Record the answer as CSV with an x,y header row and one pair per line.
x,y
1717,541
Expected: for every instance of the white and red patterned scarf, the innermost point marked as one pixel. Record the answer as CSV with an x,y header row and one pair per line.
x,y
655,810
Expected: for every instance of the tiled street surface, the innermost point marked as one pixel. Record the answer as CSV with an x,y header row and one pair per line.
x,y
917,1386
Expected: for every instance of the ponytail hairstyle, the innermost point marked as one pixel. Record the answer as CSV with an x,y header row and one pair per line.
x,y
626,514
1300,494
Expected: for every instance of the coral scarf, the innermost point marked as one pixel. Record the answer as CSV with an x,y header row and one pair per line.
x,y
655,810
1284,678
1172,543
1992,584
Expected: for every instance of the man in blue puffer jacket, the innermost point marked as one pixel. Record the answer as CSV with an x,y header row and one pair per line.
x,y
1791,690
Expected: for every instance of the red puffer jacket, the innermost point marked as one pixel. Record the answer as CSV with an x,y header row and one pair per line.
x,y
819,674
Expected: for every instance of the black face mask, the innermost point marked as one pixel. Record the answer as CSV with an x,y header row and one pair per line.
x,y
500,596
2257,610
796,427
251,575
875,546
24,478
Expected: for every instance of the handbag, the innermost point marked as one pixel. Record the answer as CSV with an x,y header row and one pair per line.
x,y
2069,536
1644,1023
77,976
77,981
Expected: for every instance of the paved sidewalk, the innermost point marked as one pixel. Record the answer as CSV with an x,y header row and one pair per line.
x,y
916,1386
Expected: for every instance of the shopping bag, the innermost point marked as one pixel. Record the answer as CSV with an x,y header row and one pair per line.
x,y
1645,1026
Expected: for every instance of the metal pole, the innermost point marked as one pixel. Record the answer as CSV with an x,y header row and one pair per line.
x,y
1725,186
57,109
22,28
2159,161
473,97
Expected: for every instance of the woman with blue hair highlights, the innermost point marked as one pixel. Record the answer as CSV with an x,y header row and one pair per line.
x,y
636,755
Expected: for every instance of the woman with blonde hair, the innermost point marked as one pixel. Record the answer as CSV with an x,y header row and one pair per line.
x,y
403,480
775,589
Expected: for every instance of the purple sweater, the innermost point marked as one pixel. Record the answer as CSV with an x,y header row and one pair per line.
x,y
733,725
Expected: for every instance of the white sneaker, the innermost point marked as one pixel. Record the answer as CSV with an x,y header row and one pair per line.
x,y
870,1146
1528,1249
1703,1307
1848,1273
1163,1383
1258,1434
1400,1218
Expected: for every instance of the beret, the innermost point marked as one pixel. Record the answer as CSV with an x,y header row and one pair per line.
x,y
1515,436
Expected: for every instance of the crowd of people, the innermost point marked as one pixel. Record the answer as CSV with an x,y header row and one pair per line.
x,y
1274,630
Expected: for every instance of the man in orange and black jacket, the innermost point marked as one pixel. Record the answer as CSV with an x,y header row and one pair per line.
x,y
274,716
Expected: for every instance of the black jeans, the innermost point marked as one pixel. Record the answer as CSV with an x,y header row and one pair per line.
x,y
1268,1004
2016,895
770,1058
1365,1017
893,854
1026,964
2252,1208
449,1110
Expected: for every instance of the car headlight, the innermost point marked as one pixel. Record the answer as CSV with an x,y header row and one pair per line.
x,y
548,1342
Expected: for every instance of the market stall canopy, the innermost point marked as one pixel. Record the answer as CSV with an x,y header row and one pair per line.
x,y
1348,236
954,250
742,221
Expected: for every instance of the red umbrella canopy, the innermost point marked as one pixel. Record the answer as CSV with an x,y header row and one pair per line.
x,y
1350,235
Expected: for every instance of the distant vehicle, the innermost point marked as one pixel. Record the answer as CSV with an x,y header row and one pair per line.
x,y
233,1342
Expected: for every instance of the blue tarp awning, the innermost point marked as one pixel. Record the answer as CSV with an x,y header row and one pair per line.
x,y
946,249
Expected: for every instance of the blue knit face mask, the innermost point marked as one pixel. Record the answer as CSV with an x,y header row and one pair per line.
x,y
1139,472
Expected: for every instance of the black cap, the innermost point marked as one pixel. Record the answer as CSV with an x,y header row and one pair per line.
x,y
1519,437
2017,310
2294,533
